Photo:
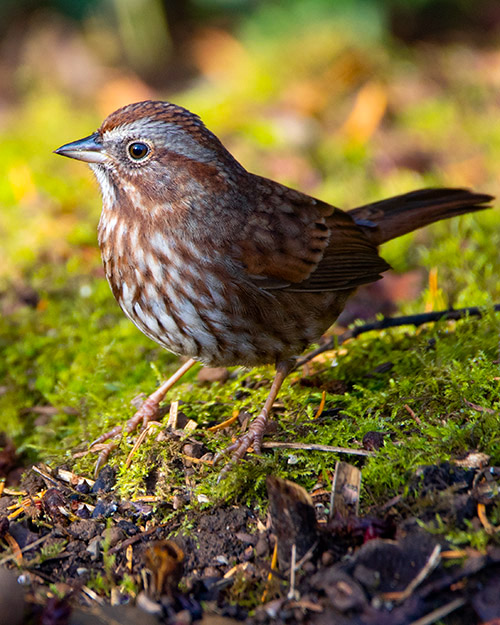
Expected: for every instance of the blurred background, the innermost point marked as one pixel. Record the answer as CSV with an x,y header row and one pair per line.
x,y
347,100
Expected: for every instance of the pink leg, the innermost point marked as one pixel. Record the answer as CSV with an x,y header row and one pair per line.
x,y
145,414
253,438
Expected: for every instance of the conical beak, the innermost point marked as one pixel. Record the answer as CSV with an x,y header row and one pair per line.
x,y
89,149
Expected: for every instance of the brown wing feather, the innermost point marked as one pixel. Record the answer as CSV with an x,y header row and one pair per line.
x,y
294,242
285,236
349,260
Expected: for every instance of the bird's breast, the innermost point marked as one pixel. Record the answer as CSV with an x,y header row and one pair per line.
x,y
177,295
181,296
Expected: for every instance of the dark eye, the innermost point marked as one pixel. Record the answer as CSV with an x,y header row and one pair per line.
x,y
138,150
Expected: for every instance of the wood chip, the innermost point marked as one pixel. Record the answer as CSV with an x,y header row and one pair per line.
x,y
172,415
346,489
293,519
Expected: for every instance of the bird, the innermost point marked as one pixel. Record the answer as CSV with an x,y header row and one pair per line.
x,y
225,267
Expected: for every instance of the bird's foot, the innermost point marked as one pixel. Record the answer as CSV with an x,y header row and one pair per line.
x,y
238,449
253,438
146,413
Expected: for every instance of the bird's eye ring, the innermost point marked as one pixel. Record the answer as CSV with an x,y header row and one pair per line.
x,y
138,150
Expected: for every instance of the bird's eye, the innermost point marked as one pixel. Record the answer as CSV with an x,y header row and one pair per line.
x,y
138,150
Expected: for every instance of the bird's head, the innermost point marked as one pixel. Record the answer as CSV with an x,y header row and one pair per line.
x,y
148,147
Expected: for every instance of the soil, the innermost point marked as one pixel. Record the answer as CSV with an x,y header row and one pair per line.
x,y
76,554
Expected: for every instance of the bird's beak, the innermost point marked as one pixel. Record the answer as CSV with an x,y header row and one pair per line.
x,y
89,149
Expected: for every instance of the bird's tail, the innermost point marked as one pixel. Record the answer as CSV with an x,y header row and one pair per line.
x,y
391,218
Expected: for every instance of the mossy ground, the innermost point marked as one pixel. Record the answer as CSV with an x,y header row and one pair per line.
x,y
65,343
95,362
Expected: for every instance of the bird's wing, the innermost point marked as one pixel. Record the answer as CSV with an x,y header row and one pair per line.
x,y
296,243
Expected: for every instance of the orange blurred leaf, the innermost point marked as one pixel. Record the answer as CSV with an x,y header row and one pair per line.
x,y
369,109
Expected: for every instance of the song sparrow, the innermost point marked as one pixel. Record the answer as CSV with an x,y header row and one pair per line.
x,y
223,266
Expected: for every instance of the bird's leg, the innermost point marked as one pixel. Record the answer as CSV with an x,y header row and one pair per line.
x,y
253,438
146,413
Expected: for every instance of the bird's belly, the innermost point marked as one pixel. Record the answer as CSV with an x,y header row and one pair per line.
x,y
219,337
173,322
206,325
219,321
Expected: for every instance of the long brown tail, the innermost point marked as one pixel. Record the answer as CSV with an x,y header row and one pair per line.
x,y
391,218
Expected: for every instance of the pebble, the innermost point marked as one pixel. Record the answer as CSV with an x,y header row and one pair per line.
x,y
248,539
113,535
104,509
211,571
183,618
105,480
248,554
327,558
94,547
262,546
148,604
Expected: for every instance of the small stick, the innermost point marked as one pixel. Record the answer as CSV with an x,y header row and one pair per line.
x,y
412,414
439,613
145,432
317,447
27,547
427,569
293,560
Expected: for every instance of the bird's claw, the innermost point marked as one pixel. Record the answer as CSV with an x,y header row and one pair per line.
x,y
238,449
103,456
145,414
115,432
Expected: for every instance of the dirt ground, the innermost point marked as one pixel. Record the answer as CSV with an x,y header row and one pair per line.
x,y
74,553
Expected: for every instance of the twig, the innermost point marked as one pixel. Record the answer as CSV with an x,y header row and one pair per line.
x,y
147,430
27,547
412,414
394,322
426,570
133,539
85,590
439,613
293,560
318,447
306,556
